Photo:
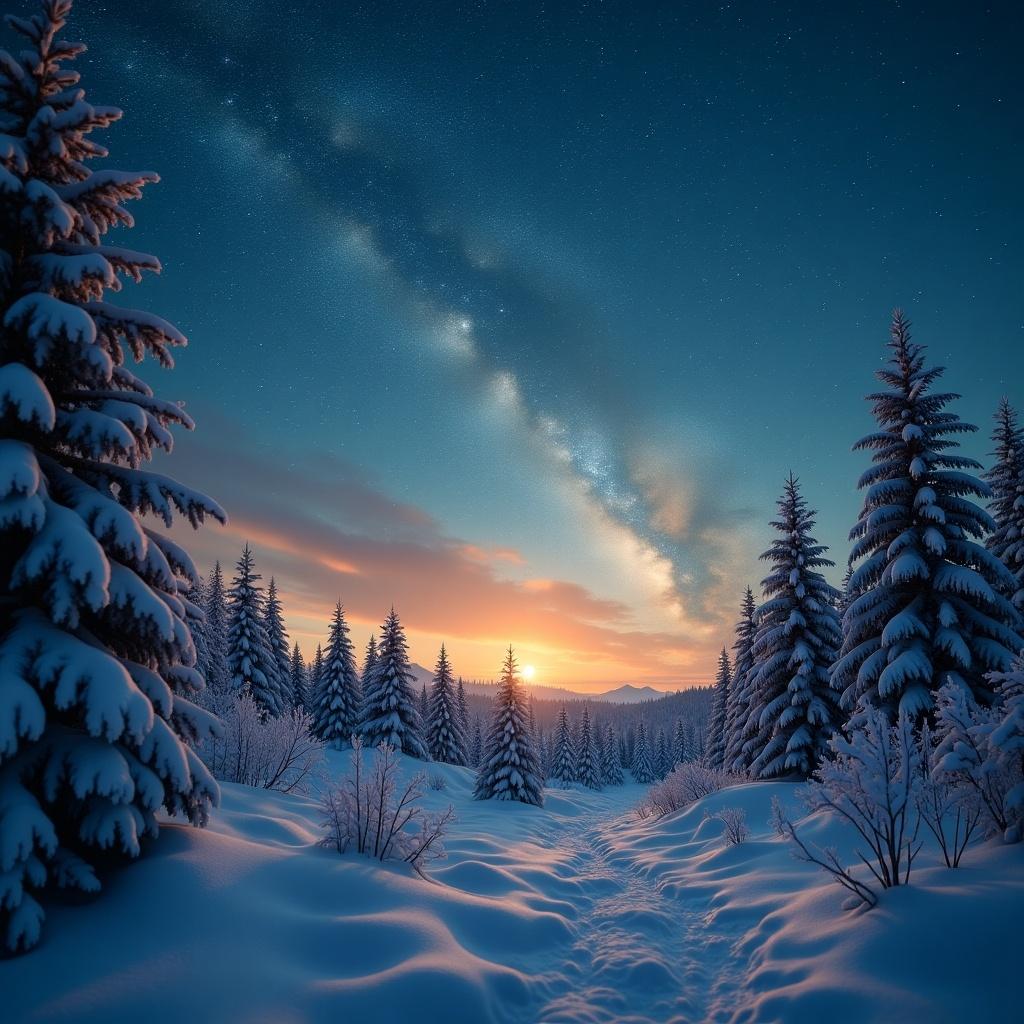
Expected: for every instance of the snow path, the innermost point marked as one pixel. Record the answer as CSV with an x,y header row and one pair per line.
x,y
641,954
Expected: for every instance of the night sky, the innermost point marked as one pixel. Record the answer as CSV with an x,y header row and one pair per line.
x,y
517,315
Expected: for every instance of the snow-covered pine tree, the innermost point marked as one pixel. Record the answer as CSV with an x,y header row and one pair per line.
x,y
196,616
389,712
462,703
509,769
251,662
716,724
476,748
663,758
299,679
336,711
277,636
563,760
680,743
96,656
642,766
1006,479
611,769
445,739
588,767
927,600
793,710
215,631
423,710
316,675
1006,745
741,687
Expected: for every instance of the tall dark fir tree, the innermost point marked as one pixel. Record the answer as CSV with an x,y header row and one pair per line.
x,y
251,661
446,739
1006,479
337,707
96,655
927,602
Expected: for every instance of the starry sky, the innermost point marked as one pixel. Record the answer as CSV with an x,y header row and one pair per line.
x,y
516,315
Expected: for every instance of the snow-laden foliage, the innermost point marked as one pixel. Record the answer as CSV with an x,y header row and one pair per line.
x,y
611,768
716,726
740,689
337,697
1006,745
734,824
277,637
663,760
251,662
684,785
588,769
316,673
462,704
642,765
682,742
376,814
793,708
1006,479
509,768
964,757
298,679
563,759
927,601
871,783
446,739
257,749
476,746
389,713
97,677
214,666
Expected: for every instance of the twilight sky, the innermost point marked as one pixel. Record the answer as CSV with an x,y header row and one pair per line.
x,y
517,315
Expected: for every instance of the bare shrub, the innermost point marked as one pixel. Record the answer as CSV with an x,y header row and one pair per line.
x,y
872,783
255,749
437,782
951,809
734,822
372,814
684,785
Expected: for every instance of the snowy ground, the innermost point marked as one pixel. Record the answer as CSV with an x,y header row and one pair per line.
x,y
573,913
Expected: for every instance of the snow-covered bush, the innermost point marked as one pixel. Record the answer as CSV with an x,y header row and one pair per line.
x,y
371,813
734,825
257,749
438,783
97,685
963,759
684,785
872,783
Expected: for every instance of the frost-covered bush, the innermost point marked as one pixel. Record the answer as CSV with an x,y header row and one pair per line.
x,y
257,749
97,685
684,785
438,783
375,814
734,825
871,783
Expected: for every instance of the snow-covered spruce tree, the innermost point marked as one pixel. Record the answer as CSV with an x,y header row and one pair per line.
x,y
462,703
423,710
663,763
316,674
509,769
336,712
298,679
251,662
369,660
642,766
716,724
389,713
680,743
277,635
611,769
476,748
740,689
588,768
446,740
1006,479
927,602
215,631
563,760
96,678
793,710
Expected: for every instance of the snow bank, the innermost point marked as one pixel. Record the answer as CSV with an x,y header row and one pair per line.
x,y
574,912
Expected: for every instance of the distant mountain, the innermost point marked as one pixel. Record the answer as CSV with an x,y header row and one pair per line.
x,y
629,694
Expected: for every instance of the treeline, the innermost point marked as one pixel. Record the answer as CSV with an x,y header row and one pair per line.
x,y
927,625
